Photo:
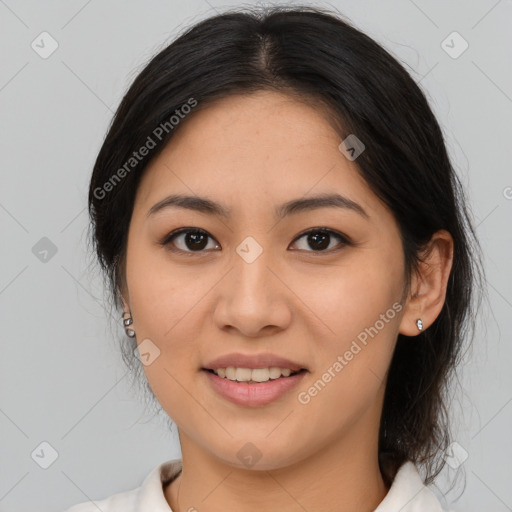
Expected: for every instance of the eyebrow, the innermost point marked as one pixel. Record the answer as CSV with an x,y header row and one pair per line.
x,y
207,206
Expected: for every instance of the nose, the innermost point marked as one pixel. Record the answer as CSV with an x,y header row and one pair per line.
x,y
252,300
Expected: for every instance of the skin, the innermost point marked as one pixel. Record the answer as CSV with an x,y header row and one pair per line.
x,y
251,153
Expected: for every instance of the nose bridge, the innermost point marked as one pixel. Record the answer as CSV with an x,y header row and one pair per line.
x,y
251,273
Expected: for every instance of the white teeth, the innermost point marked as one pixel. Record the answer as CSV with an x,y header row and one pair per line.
x,y
255,375
243,374
274,372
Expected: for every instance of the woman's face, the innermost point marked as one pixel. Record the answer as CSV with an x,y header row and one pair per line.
x,y
252,282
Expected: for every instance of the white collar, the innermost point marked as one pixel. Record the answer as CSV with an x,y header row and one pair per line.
x,y
407,492
151,493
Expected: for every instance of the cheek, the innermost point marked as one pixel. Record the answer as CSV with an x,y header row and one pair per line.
x,y
163,295
359,311
350,297
166,305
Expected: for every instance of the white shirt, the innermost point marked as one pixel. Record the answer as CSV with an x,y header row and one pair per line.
x,y
407,494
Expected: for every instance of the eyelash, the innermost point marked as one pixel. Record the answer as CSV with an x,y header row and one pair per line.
x,y
344,240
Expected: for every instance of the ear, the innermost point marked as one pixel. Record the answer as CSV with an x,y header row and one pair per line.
x,y
122,288
428,285
125,299
126,306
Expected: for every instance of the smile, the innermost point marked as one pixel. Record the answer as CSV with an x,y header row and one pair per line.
x,y
249,391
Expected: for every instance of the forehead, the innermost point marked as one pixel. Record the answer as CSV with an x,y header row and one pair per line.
x,y
265,144
261,120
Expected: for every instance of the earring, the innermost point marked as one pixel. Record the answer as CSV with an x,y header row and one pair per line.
x,y
126,322
419,324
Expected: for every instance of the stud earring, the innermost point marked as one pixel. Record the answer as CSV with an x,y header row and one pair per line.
x,y
128,320
419,324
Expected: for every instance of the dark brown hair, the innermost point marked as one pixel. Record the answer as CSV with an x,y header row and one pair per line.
x,y
319,57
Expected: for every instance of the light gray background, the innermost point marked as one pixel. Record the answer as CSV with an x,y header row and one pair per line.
x,y
62,380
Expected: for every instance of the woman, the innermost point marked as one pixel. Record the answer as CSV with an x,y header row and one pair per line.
x,y
281,226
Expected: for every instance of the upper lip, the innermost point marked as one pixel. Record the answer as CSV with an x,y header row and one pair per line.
x,y
239,360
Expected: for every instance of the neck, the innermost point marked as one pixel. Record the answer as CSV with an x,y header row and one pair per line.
x,y
342,477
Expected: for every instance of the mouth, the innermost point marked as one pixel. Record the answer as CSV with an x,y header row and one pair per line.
x,y
253,380
257,387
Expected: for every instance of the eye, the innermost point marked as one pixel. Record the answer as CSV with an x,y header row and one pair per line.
x,y
196,240
320,240
191,240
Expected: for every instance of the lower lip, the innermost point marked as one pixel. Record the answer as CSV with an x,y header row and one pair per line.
x,y
253,395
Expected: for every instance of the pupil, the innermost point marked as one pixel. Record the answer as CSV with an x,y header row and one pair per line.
x,y
195,240
318,240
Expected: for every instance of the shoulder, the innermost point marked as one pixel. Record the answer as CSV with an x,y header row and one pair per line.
x,y
408,493
149,495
